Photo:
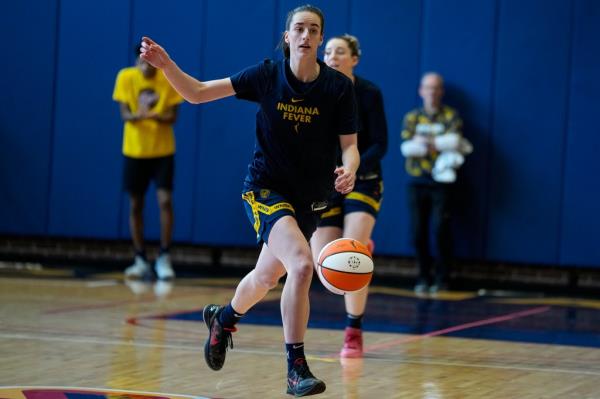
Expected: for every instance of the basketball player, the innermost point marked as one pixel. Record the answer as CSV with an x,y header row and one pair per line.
x,y
307,111
353,215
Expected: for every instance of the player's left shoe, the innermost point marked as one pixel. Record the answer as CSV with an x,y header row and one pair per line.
x,y
353,343
301,382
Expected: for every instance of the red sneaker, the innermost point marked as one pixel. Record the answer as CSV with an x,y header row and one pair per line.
x,y
371,246
353,343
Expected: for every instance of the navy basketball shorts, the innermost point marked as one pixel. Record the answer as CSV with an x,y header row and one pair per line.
x,y
138,172
265,207
366,197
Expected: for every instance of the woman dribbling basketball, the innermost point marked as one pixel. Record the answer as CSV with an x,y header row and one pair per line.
x,y
307,110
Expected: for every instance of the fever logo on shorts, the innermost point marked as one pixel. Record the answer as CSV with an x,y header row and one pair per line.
x,y
265,193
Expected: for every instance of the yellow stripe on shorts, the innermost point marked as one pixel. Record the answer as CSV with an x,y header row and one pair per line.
x,y
258,207
332,212
366,199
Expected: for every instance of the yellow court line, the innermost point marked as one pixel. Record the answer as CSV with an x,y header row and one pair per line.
x,y
447,296
581,303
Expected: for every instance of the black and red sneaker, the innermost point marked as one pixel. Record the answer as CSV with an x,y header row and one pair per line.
x,y
301,382
219,338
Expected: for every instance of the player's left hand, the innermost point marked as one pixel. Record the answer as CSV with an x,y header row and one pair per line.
x,y
344,182
154,54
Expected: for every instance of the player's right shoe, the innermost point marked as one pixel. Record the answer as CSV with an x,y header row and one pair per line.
x,y
353,343
219,338
301,382
163,267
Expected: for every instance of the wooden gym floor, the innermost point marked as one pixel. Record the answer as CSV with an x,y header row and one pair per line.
x,y
96,337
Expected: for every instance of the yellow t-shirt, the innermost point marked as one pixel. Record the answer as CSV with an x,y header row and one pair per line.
x,y
146,138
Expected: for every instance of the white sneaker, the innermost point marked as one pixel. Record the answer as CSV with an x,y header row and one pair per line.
x,y
139,269
163,267
163,288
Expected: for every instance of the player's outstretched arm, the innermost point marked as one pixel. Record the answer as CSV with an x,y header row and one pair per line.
x,y
187,86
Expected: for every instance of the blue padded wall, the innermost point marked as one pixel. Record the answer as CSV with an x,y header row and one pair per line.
x,y
27,84
466,61
580,220
86,168
529,112
393,64
523,74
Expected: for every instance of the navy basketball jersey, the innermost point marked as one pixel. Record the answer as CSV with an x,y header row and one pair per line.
x,y
373,134
297,130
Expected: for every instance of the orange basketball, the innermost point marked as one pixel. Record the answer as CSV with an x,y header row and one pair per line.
x,y
345,265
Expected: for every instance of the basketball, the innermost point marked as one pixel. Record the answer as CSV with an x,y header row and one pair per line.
x,y
345,265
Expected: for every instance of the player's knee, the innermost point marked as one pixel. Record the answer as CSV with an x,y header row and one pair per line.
x,y
303,271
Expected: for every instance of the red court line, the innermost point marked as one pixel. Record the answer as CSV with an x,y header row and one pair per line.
x,y
493,320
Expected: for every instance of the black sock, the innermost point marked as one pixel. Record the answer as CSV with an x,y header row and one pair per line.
x,y
229,317
294,352
354,321
164,250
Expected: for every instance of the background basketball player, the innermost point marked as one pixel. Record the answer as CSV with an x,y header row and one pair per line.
x,y
353,215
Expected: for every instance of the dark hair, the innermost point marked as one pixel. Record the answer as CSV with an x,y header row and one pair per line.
x,y
137,49
306,7
352,42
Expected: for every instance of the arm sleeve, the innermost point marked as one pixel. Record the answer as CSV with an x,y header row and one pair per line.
x,y
252,83
409,126
456,124
347,110
377,128
410,148
121,88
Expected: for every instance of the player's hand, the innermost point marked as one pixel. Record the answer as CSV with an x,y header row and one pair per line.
x,y
154,54
344,182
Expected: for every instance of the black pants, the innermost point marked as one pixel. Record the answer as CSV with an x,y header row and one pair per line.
x,y
430,206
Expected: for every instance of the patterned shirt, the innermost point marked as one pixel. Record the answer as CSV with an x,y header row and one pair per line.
x,y
418,123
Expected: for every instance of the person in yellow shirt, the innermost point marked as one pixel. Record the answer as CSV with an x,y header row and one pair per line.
x,y
148,106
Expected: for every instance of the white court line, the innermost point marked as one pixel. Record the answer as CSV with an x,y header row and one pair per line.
x,y
489,366
103,390
198,348
101,283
